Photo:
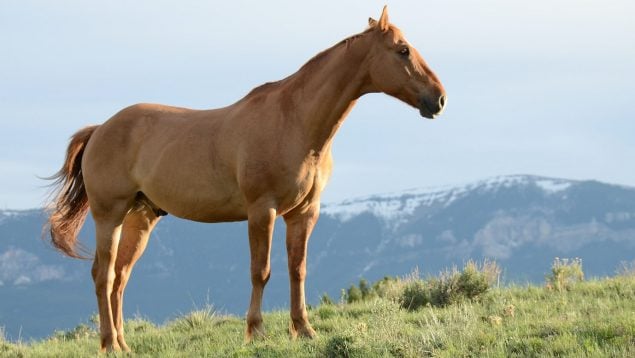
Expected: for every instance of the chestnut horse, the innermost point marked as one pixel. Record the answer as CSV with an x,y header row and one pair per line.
x,y
267,155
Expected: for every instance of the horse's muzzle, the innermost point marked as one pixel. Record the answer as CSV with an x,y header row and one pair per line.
x,y
432,108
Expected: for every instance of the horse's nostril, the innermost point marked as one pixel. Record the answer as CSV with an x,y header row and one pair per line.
x,y
442,100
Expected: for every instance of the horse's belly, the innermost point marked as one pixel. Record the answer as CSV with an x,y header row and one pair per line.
x,y
205,203
210,214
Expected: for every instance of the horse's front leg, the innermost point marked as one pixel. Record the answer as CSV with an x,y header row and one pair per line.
x,y
299,227
261,221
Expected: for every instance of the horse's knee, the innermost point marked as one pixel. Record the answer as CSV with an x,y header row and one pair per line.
x,y
118,284
260,276
104,280
298,273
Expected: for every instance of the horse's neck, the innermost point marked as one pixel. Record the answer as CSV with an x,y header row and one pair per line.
x,y
325,92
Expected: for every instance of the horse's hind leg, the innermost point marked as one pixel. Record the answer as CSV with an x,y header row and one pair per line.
x,y
108,223
137,226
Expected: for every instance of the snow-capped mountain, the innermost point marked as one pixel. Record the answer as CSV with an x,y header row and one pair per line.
x,y
521,221
401,206
500,218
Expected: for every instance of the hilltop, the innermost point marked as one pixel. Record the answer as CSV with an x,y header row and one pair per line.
x,y
593,318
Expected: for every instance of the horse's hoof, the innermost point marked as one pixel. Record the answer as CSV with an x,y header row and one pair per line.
x,y
110,348
254,332
123,345
305,331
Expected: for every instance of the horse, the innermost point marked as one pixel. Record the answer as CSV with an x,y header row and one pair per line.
x,y
267,155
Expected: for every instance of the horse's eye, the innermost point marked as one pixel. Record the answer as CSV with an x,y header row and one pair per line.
x,y
404,51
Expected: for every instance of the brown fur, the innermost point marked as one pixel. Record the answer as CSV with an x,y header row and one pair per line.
x,y
69,209
267,155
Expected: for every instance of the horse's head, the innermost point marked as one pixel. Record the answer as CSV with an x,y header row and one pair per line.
x,y
396,68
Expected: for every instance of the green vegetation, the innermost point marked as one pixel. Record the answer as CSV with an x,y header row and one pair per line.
x,y
460,313
565,273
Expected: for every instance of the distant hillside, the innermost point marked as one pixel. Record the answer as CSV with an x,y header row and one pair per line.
x,y
521,221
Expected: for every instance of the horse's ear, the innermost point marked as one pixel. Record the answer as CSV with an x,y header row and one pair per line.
x,y
383,19
372,22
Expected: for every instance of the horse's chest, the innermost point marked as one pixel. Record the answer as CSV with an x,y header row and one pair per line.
x,y
298,190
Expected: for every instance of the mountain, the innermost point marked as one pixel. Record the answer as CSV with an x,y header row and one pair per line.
x,y
521,221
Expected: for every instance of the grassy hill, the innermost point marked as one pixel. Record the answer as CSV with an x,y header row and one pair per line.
x,y
456,318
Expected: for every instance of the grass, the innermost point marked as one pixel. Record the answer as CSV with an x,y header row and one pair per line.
x,y
594,318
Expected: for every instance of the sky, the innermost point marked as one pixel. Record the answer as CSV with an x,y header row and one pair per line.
x,y
544,87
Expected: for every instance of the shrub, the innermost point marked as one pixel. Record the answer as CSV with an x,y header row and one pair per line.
x,y
94,320
365,289
471,282
326,311
390,288
415,295
354,294
412,293
340,346
451,286
565,273
444,290
359,293
80,331
326,299
197,319
491,271
138,324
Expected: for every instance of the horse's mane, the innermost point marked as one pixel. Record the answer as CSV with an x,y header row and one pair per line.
x,y
309,65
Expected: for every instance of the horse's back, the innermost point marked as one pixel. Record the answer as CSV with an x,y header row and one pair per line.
x,y
119,138
172,155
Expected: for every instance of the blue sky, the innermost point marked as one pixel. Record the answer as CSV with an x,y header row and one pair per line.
x,y
541,87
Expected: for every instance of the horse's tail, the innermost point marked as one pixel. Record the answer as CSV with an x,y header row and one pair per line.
x,y
68,210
